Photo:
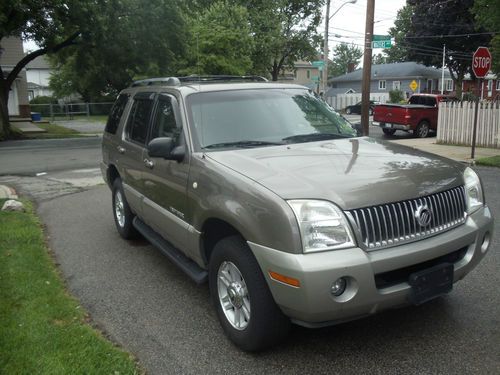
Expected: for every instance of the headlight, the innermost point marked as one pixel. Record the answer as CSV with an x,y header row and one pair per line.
x,y
473,191
322,225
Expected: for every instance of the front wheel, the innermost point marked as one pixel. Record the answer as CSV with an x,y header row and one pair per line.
x,y
244,304
422,130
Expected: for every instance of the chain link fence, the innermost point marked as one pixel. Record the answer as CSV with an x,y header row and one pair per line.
x,y
72,111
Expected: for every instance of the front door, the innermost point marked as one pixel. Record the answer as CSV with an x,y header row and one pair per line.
x,y
165,181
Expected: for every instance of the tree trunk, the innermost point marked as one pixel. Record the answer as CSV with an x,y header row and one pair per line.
x,y
4,112
275,71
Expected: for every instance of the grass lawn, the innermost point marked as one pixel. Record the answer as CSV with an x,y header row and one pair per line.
x,y
43,329
492,161
53,131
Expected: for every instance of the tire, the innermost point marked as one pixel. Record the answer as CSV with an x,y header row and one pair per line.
x,y
422,130
348,111
251,319
389,131
121,212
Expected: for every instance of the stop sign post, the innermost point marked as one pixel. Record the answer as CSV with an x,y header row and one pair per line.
x,y
481,65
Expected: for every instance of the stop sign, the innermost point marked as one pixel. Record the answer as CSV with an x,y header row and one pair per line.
x,y
481,62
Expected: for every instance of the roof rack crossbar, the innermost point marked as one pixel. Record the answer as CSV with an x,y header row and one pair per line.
x,y
176,81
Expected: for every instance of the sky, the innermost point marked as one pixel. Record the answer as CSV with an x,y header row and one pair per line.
x,y
348,25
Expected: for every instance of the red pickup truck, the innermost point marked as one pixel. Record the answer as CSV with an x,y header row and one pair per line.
x,y
420,115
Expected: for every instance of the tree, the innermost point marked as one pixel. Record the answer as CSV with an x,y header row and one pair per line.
x,y
130,39
402,27
449,23
220,42
52,25
284,31
346,58
379,59
488,15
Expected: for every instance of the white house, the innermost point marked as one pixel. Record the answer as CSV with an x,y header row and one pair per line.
x,y
38,73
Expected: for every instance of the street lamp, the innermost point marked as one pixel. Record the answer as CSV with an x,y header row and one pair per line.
x,y
325,45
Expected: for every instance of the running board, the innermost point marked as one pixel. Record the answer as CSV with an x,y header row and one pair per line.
x,y
195,272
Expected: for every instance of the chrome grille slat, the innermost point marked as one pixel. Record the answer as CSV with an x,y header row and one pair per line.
x,y
394,223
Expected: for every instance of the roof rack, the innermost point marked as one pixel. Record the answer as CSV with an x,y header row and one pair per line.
x,y
177,81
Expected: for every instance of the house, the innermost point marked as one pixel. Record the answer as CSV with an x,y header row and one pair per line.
x,y
490,88
11,51
395,76
38,73
303,73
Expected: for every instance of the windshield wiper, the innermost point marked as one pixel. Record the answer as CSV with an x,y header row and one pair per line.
x,y
313,137
242,144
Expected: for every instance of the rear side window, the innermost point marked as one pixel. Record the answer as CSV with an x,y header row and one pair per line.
x,y
116,113
138,121
415,99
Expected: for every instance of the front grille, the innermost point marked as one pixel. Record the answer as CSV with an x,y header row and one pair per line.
x,y
395,223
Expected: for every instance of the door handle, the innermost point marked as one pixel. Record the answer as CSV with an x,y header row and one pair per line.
x,y
149,163
120,149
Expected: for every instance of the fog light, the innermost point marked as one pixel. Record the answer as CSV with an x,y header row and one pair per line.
x,y
338,287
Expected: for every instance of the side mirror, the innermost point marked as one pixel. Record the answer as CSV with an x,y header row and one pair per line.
x,y
163,147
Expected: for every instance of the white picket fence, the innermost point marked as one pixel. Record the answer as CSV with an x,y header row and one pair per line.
x,y
339,102
456,121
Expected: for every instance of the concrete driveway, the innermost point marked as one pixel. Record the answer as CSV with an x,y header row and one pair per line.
x,y
151,308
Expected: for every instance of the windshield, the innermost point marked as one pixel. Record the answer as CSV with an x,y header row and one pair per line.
x,y
263,117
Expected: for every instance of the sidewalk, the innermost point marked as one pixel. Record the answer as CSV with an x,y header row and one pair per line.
x,y
459,153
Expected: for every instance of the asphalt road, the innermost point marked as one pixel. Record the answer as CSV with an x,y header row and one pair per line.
x,y
151,308
29,157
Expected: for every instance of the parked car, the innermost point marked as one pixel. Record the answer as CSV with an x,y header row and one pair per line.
x,y
264,191
419,116
356,108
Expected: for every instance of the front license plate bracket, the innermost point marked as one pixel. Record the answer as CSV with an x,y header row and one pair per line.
x,y
431,283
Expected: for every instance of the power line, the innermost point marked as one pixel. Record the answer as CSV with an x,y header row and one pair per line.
x,y
451,36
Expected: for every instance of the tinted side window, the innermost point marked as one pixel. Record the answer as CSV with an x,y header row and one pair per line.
x,y
430,101
138,121
415,99
116,113
165,124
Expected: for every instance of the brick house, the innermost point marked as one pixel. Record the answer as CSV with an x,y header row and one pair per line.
x,y
490,88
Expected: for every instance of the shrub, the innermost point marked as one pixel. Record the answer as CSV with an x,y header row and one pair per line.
x,y
43,100
396,96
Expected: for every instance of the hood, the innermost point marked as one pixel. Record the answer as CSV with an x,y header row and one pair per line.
x,y
352,173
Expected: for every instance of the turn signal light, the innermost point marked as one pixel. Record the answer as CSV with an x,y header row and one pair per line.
x,y
284,279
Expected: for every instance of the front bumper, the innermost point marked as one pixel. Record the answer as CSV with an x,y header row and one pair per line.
x,y
313,305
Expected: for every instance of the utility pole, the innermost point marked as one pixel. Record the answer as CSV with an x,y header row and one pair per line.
x,y
442,70
367,68
324,72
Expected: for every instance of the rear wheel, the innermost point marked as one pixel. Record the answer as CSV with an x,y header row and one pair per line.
x,y
242,299
121,212
422,130
389,131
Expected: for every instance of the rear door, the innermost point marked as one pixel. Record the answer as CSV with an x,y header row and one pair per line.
x,y
133,148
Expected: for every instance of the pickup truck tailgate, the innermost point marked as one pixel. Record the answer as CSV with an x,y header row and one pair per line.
x,y
391,113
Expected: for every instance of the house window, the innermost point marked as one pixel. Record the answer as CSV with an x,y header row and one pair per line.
x,y
498,85
429,85
448,84
381,85
308,74
396,85
490,85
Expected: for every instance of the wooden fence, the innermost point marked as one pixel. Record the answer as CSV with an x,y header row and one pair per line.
x,y
456,121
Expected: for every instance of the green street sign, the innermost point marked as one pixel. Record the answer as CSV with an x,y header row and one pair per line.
x,y
318,63
381,37
382,44
315,78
